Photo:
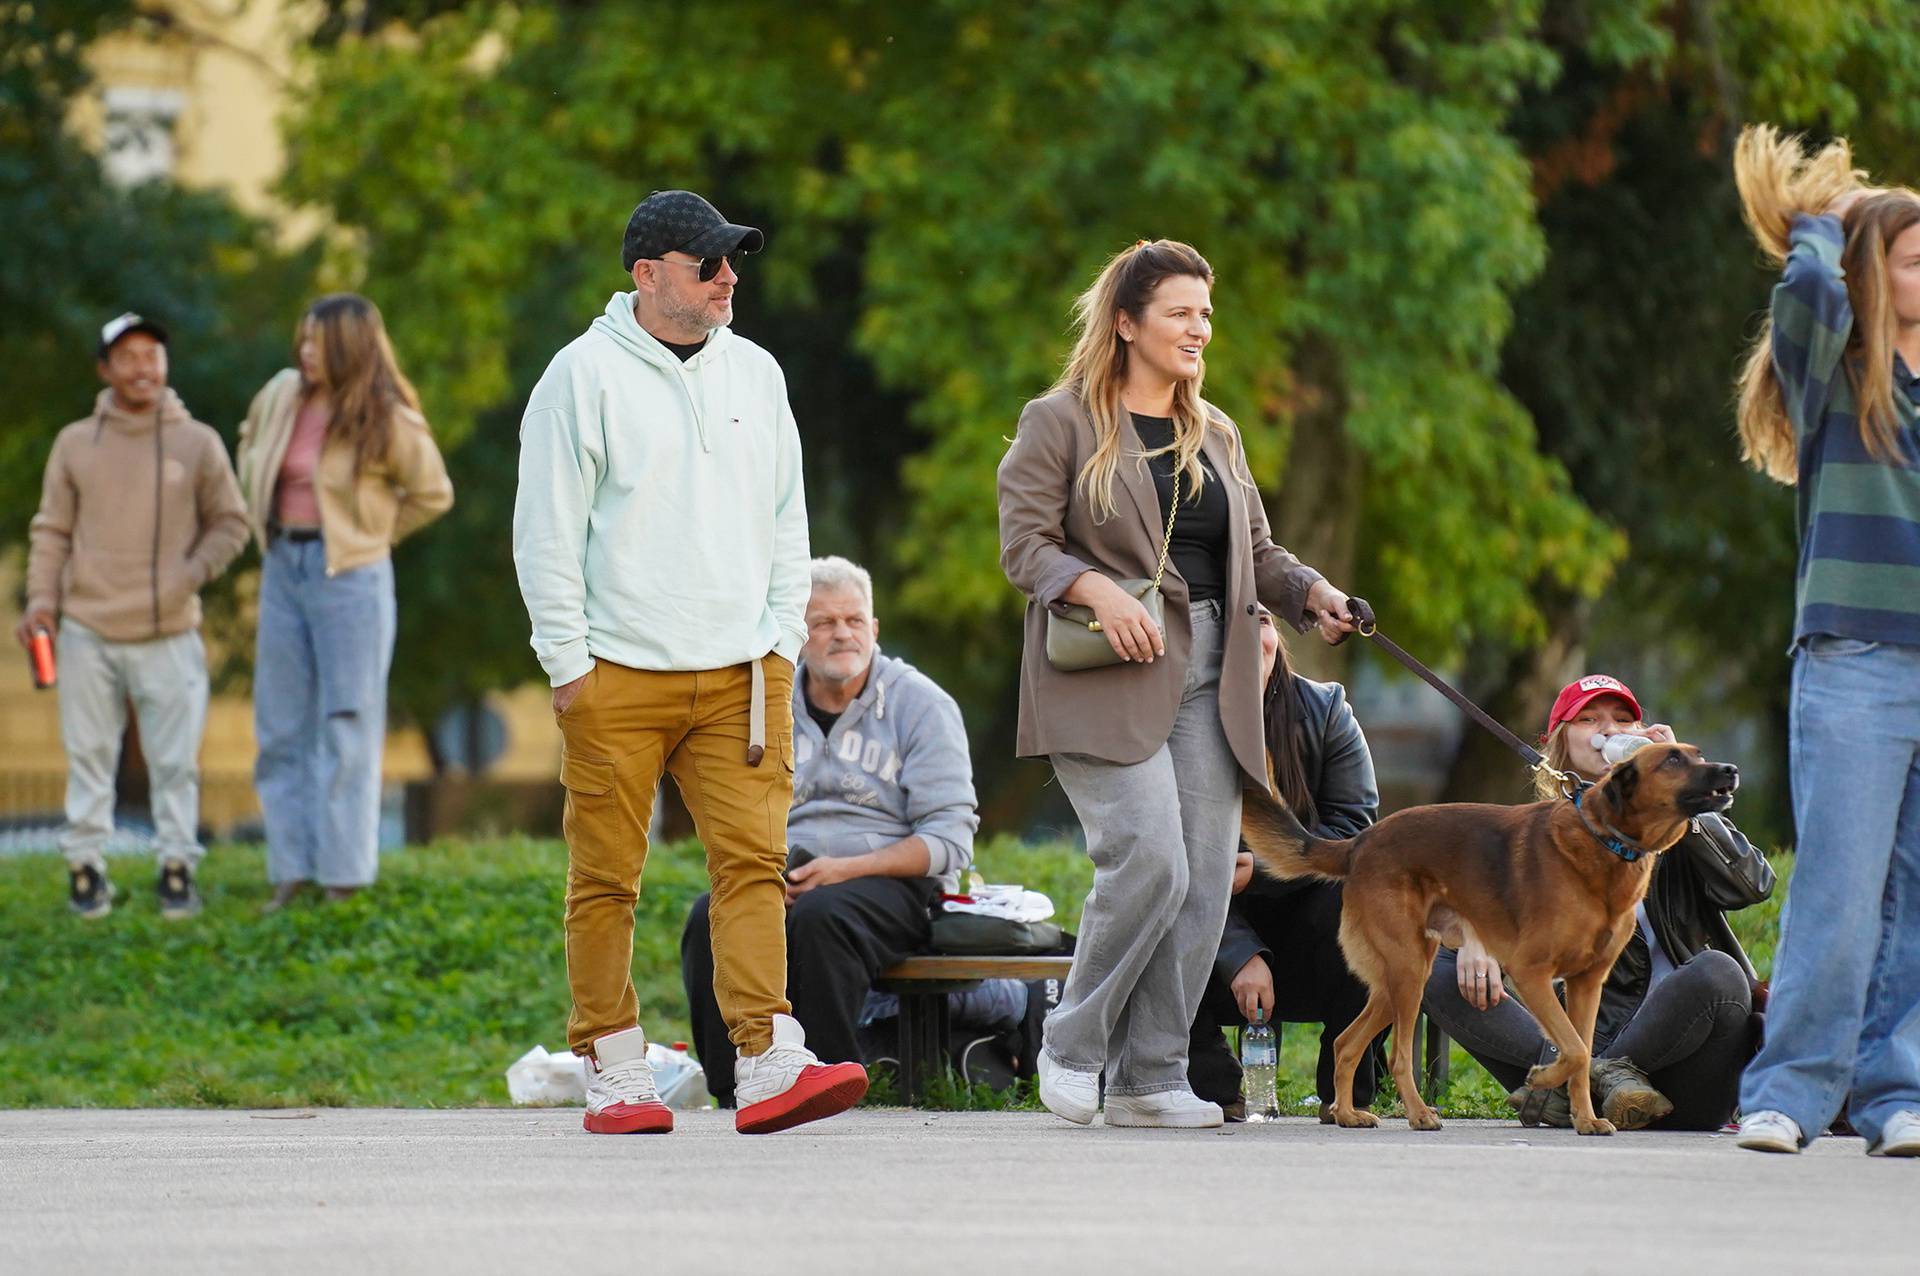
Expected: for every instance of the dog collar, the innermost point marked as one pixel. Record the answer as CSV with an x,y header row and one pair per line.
x,y
1616,844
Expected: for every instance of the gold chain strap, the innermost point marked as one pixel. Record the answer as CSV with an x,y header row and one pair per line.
x,y
1166,545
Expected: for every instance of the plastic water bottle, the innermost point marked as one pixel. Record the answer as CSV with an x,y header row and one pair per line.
x,y
1618,748
1259,1061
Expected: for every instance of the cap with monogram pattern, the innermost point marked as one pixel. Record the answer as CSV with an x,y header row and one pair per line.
x,y
680,221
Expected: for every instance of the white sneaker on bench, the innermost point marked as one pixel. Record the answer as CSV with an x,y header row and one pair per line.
x,y
1072,1096
1165,1109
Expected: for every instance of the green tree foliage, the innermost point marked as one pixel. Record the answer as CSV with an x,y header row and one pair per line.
x,y
942,181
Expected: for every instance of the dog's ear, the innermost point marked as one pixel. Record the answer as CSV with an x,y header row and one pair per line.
x,y
1621,785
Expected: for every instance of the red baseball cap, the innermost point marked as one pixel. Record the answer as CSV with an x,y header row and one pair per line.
x,y
1578,694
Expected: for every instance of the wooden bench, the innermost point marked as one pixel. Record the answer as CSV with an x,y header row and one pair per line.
x,y
922,985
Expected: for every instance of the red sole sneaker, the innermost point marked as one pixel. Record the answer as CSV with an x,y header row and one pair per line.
x,y
630,1118
820,1091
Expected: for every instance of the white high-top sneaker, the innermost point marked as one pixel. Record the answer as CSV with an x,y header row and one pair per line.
x,y
1068,1094
787,1085
1165,1109
621,1097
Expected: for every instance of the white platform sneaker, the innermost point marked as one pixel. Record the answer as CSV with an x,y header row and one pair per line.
x,y
1164,1109
1072,1096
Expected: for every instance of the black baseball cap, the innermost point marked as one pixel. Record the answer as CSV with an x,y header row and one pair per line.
x,y
682,222
121,325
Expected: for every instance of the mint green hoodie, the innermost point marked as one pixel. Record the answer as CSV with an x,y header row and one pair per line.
x,y
660,521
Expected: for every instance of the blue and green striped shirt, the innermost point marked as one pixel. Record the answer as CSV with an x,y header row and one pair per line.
x,y
1859,573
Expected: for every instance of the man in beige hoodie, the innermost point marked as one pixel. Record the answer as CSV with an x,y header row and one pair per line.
x,y
138,510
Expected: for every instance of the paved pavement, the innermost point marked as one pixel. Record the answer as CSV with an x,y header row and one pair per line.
x,y
525,1192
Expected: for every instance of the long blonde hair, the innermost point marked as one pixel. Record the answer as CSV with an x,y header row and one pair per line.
x,y
1778,178
1097,368
362,376
1559,756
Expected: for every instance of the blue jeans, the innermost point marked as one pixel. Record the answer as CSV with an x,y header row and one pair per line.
x,y
1844,1015
320,713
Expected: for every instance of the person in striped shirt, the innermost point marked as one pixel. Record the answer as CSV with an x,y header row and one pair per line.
x,y
1830,402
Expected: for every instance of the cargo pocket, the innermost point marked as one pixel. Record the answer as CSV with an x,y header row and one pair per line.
x,y
592,819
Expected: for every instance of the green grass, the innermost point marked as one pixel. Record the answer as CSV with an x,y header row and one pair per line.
x,y
418,993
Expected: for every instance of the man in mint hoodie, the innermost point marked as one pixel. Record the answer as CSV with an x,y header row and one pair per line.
x,y
660,538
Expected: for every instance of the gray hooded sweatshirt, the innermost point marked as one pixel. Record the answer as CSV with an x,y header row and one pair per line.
x,y
896,765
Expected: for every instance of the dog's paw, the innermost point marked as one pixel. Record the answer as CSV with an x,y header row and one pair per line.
x,y
1425,1119
1355,1119
1599,1125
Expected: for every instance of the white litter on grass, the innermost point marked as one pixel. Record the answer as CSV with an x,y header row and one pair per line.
x,y
540,1079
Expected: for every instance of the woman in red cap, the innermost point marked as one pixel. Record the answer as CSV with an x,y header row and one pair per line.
x,y
1678,1017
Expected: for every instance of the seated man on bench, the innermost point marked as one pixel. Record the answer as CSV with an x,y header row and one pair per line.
x,y
882,822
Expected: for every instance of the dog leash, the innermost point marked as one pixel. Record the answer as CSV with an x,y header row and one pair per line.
x,y
1367,626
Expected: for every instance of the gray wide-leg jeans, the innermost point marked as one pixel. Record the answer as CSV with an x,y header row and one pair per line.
x,y
1162,835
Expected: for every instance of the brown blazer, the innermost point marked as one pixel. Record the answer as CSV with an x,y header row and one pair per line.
x,y
1048,536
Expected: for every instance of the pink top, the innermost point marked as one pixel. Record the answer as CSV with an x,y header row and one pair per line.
x,y
294,501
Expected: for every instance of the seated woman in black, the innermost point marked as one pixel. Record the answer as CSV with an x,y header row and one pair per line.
x,y
1677,1023
1280,953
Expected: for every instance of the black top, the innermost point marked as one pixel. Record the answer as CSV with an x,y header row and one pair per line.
x,y
819,715
1199,551
684,353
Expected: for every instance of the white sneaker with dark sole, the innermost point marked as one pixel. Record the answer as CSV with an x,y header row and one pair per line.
x,y
1769,1131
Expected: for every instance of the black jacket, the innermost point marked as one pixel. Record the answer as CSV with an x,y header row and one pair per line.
x,y
1339,773
1712,870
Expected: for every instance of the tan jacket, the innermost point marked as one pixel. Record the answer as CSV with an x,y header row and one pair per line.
x,y
363,518
137,512
1048,536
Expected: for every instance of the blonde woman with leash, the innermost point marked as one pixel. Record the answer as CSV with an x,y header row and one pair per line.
x,y
1130,521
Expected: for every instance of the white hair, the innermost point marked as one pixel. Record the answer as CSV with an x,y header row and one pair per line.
x,y
835,572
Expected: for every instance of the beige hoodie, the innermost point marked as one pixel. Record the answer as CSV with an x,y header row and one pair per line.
x,y
137,512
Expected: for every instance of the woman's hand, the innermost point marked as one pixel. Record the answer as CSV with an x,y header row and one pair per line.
x,y
1329,610
1659,733
1478,975
1124,619
1242,871
1253,990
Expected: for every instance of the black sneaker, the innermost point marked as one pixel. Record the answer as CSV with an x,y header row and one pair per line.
x,y
178,898
89,893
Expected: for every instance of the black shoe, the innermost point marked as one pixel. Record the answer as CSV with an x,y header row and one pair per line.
x,y
178,898
89,893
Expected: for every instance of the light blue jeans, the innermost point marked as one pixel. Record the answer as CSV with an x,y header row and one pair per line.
x,y
1844,1014
320,713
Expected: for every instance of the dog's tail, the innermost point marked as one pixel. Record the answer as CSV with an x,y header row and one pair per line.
x,y
1282,848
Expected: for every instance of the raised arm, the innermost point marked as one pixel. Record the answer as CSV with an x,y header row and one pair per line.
x,y
1812,317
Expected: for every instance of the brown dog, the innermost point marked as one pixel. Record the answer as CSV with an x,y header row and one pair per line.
x,y
1549,888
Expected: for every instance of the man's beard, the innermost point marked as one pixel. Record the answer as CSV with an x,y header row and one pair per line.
x,y
687,314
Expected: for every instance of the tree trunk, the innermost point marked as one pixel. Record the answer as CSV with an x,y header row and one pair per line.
x,y
1316,514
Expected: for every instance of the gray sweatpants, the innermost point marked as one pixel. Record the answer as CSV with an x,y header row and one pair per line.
x,y
166,679
1162,835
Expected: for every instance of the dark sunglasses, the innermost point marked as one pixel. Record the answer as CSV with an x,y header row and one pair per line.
x,y
709,266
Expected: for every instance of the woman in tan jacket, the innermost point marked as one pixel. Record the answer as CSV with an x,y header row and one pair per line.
x,y
1151,749
337,465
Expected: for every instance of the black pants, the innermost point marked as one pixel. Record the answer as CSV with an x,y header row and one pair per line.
x,y
839,938
1311,984
1692,1036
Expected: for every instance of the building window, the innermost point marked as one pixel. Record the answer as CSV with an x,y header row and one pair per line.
x,y
139,134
